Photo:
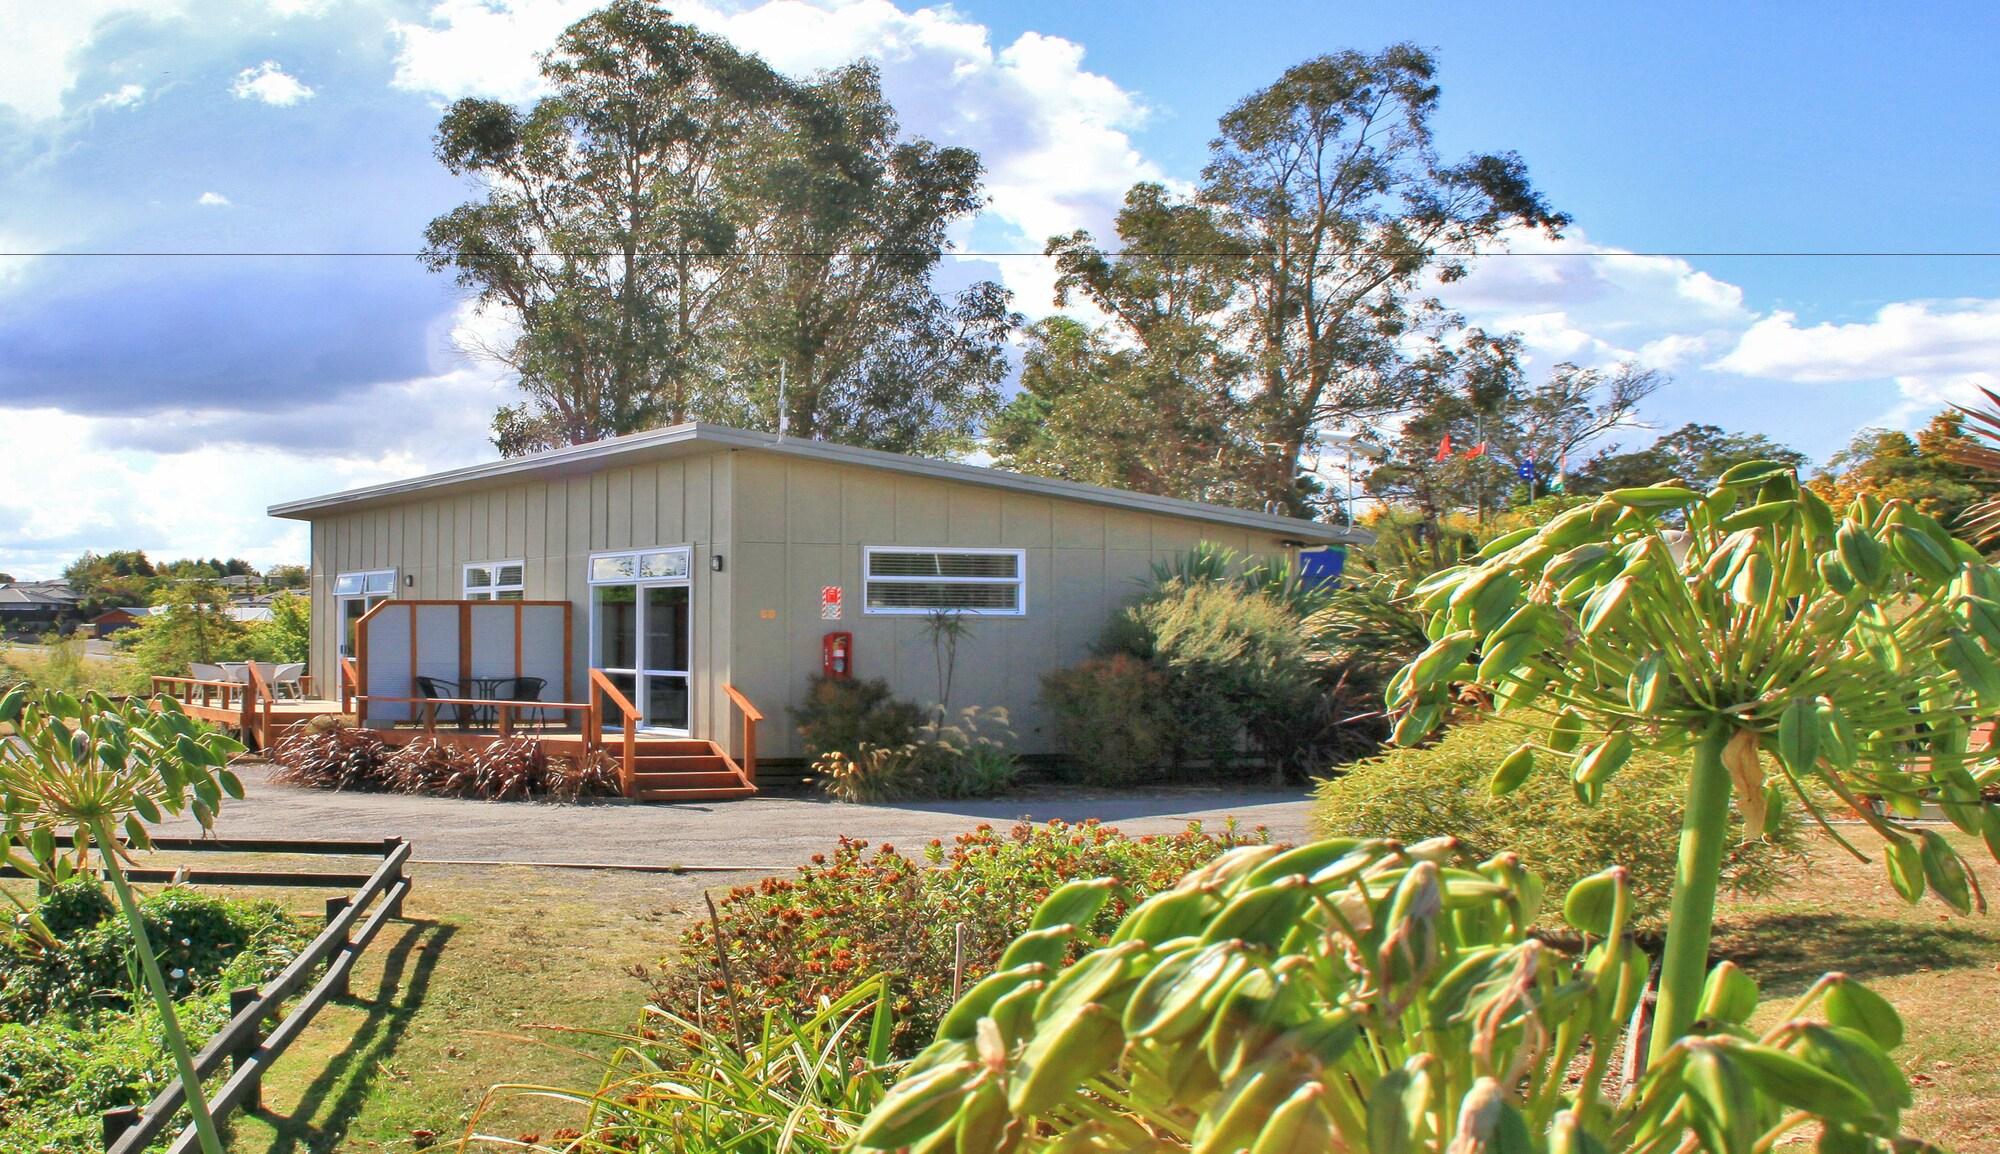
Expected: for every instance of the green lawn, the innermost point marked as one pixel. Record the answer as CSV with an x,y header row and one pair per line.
x,y
1940,970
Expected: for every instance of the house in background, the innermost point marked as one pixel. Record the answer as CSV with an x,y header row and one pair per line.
x,y
32,608
704,571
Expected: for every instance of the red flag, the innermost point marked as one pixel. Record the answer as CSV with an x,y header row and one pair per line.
x,y
1444,449
1478,450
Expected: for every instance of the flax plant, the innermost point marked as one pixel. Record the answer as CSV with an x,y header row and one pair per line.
x,y
92,768
1797,655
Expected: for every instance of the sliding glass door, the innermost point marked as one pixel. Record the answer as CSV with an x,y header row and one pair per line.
x,y
640,633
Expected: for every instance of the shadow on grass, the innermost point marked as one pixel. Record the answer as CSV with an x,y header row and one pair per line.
x,y
1787,952
334,1098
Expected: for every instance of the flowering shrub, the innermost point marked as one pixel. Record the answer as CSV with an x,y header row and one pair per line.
x,y
865,911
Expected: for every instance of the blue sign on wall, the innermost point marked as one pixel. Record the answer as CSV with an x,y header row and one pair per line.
x,y
1321,567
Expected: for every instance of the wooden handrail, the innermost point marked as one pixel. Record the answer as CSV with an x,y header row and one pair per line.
x,y
751,716
350,683
628,768
256,698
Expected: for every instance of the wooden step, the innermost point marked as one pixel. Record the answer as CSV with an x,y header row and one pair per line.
x,y
674,795
679,762
719,779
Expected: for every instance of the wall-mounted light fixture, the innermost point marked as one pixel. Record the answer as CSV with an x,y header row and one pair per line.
x,y
409,580
715,562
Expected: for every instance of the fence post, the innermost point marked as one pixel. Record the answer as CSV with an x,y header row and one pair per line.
x,y
334,908
116,1122
240,1000
389,846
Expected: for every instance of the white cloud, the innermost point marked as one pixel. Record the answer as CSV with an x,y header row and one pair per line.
x,y
126,96
43,38
212,200
1054,136
270,83
1935,352
1574,299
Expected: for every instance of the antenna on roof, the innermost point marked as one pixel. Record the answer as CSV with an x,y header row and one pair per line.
x,y
781,400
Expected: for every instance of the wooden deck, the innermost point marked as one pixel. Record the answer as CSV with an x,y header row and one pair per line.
x,y
651,768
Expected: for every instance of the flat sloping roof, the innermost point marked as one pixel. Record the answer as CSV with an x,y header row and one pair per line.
x,y
697,436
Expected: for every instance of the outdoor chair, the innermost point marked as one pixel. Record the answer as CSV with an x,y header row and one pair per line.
x,y
267,672
286,677
524,689
204,672
439,687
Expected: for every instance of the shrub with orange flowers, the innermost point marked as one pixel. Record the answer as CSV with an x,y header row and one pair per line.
x,y
931,921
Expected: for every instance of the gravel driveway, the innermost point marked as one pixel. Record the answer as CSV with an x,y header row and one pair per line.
x,y
773,832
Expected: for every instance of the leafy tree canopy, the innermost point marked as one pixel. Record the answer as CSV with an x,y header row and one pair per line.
x,y
1284,292
1886,463
1696,454
676,224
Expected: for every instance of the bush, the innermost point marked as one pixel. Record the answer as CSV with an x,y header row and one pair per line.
x,y
1111,715
840,715
506,769
969,758
206,943
842,920
1413,794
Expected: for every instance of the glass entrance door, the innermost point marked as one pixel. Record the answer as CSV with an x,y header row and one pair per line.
x,y
640,634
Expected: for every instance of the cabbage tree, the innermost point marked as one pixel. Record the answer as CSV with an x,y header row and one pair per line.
x,y
1798,655
93,768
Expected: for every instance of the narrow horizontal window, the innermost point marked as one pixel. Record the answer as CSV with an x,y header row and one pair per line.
x,y
974,581
640,565
494,581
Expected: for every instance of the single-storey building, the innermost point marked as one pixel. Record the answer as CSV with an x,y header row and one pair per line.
x,y
684,563
33,607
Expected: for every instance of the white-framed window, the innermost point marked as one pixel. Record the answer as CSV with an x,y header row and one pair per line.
x,y
354,594
494,581
978,582
640,565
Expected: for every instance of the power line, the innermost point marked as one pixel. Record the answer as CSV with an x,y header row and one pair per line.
x,y
1689,254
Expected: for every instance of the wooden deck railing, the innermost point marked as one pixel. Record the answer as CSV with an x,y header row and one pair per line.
x,y
601,688
751,716
503,709
197,691
350,683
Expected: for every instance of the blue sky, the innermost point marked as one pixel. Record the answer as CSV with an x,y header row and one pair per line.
x,y
164,402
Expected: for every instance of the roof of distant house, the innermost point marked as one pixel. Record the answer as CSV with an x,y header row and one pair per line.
x,y
696,436
44,593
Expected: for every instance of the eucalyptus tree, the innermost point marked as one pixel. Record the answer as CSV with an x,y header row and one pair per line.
x,y
98,770
675,226
1791,651
1325,218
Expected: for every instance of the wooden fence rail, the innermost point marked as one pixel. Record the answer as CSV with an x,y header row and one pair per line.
x,y
351,923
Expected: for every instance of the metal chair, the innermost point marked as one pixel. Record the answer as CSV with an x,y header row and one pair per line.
x,y
439,687
522,689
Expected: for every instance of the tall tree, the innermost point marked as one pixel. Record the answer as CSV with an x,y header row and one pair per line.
x,y
850,229
1330,215
676,219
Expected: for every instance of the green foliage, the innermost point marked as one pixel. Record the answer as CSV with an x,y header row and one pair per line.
x,y
799,1083
841,920
287,636
62,663
1442,789
840,715
660,139
56,1080
1113,717
207,943
1363,995
1786,646
1928,470
1693,454
1219,376
190,625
